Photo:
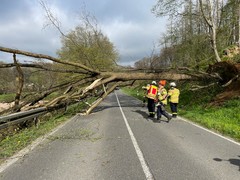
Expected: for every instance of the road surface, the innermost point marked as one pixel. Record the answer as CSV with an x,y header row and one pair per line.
x,y
118,142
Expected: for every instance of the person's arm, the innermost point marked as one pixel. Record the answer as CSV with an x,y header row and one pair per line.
x,y
164,94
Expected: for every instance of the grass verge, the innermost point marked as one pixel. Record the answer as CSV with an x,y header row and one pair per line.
x,y
223,119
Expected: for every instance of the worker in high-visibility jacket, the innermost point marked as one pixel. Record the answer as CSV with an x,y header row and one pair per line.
x,y
162,101
173,94
152,90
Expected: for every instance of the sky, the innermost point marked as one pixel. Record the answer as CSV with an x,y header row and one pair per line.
x,y
129,25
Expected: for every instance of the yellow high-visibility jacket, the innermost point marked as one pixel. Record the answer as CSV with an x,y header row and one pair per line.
x,y
152,91
173,94
162,96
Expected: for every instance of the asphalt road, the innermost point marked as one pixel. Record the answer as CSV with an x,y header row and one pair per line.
x,y
118,142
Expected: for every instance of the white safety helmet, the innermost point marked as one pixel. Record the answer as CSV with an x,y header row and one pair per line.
x,y
173,84
154,82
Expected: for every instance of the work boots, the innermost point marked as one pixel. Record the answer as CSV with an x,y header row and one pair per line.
x,y
159,119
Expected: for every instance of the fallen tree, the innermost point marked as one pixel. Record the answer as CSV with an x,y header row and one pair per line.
x,y
89,81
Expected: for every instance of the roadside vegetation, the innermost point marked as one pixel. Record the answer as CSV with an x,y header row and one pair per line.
x,y
199,107
5,98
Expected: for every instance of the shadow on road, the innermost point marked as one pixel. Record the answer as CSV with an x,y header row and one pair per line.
x,y
145,116
143,113
235,162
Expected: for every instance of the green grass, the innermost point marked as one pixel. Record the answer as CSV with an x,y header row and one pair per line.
x,y
194,105
136,92
7,98
224,119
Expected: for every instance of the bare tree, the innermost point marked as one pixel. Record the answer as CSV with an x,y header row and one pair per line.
x,y
210,16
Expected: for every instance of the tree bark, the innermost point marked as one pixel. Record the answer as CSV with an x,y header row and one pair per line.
x,y
212,26
19,82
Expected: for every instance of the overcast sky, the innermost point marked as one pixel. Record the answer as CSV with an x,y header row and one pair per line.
x,y
129,24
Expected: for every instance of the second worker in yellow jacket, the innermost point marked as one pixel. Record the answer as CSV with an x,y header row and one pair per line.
x,y
173,94
162,101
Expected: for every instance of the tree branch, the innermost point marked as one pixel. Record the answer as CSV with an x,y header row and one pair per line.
x,y
15,51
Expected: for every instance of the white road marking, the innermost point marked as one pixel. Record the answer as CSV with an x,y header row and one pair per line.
x,y
199,126
144,165
209,131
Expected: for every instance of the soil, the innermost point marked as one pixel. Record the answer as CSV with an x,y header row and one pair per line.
x,y
231,92
228,70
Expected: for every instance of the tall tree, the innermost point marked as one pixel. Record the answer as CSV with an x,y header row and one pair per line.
x,y
210,12
89,47
210,15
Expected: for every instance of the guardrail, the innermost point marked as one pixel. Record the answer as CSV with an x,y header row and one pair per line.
x,y
17,118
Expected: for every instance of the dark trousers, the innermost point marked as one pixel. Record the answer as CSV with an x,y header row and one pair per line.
x,y
173,107
151,107
161,111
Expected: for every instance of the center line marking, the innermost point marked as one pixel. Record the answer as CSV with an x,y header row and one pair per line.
x,y
144,165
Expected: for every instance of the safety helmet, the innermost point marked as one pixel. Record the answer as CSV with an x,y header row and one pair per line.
x,y
154,82
173,84
162,82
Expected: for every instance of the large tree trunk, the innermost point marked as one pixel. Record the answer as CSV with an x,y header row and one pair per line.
x,y
214,44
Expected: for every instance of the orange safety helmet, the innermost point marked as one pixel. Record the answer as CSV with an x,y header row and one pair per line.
x,y
162,82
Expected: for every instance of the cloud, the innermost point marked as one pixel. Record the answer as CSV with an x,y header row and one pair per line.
x,y
129,25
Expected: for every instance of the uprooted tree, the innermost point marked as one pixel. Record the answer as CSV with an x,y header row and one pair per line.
x,y
85,81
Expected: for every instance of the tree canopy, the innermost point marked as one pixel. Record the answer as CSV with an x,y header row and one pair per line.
x,y
89,47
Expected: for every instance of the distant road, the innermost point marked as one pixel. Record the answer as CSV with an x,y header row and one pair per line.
x,y
118,142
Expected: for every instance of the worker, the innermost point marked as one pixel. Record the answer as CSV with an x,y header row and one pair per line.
x,y
173,95
151,98
162,101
